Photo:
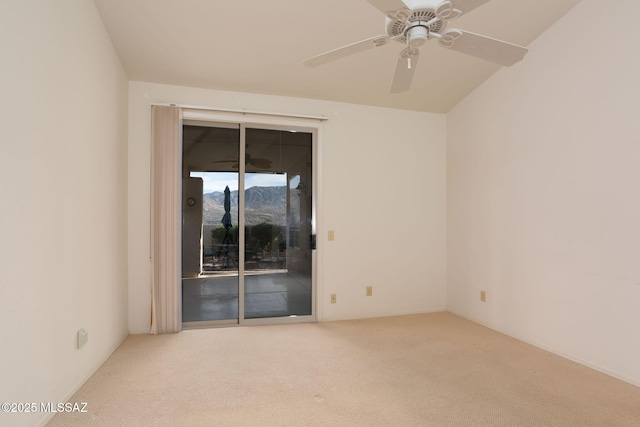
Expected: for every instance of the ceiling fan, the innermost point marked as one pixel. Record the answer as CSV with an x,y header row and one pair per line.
x,y
414,22
257,162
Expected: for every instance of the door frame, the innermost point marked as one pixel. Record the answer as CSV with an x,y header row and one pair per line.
x,y
203,117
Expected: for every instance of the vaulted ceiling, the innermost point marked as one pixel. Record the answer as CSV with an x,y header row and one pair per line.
x,y
258,46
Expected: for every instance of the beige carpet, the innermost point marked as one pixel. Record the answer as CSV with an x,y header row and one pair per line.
x,y
421,370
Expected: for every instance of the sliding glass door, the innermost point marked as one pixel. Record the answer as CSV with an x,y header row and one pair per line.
x,y
247,245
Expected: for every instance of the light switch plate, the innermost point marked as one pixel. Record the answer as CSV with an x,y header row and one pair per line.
x,y
83,337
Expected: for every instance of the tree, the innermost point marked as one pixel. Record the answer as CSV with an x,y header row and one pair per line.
x,y
219,234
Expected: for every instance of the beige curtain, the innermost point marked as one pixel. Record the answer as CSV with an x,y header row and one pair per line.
x,y
166,158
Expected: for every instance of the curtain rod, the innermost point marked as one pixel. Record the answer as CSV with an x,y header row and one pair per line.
x,y
241,111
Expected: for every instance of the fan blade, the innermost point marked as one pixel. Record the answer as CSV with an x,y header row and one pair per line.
x,y
405,67
341,52
394,9
466,6
483,47
449,10
260,163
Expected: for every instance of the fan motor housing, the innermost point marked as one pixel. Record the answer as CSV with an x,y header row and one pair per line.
x,y
421,12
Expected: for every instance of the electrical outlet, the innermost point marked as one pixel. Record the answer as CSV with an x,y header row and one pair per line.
x,y
483,296
369,291
333,298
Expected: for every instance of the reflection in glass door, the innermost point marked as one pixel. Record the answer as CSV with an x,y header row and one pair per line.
x,y
263,205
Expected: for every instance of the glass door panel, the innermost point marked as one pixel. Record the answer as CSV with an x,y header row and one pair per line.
x,y
210,235
278,224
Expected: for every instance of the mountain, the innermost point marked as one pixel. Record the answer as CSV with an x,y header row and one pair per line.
x,y
263,204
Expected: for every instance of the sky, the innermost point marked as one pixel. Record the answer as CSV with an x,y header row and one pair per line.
x,y
216,181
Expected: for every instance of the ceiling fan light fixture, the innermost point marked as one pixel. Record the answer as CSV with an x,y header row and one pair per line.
x,y
418,34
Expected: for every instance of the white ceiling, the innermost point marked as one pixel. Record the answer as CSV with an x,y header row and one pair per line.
x,y
258,46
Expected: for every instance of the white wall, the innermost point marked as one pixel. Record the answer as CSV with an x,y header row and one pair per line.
x,y
382,183
543,193
63,184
